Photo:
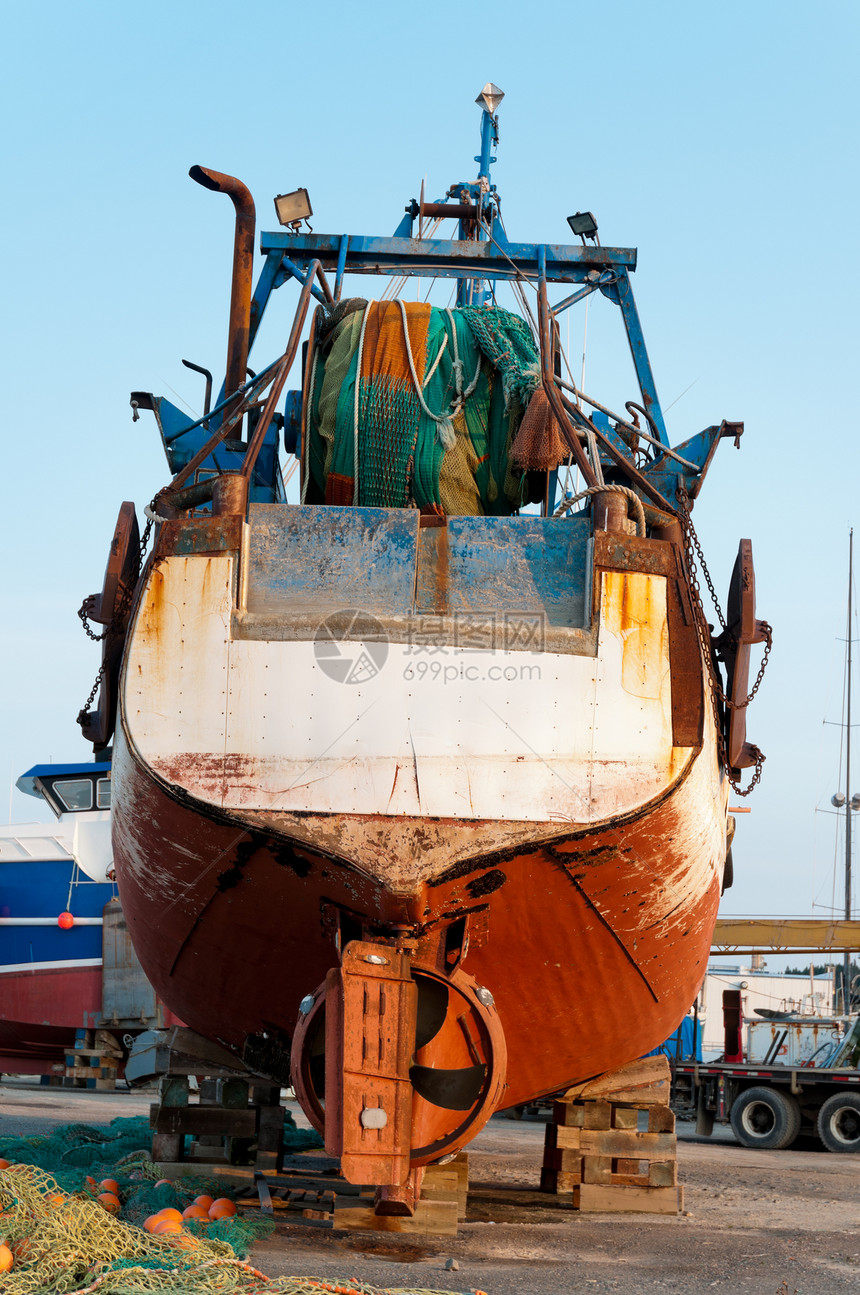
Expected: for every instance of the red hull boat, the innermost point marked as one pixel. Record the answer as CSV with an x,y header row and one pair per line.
x,y
421,792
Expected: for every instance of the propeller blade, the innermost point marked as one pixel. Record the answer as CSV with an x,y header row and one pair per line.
x,y
432,1010
453,1090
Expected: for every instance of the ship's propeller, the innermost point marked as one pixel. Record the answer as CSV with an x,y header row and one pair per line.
x,y
457,1065
453,1090
431,1012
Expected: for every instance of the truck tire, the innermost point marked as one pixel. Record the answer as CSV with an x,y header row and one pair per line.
x,y
765,1117
839,1122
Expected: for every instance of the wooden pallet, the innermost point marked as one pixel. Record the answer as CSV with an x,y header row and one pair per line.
x,y
597,1150
90,1068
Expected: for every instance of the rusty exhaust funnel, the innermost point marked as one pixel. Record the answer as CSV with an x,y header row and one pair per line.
x,y
243,265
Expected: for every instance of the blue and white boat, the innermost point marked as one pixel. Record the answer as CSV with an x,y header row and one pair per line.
x,y
55,880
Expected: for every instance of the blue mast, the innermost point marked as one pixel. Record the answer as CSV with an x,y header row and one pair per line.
x,y
472,292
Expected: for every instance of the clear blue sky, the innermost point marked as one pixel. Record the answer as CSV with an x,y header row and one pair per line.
x,y
720,140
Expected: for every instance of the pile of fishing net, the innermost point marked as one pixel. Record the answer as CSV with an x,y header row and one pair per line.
x,y
72,1152
409,405
65,1243
120,1150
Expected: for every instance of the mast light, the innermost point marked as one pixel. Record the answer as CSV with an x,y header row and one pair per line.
x,y
490,97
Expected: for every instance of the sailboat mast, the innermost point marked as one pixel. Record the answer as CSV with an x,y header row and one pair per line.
x,y
846,983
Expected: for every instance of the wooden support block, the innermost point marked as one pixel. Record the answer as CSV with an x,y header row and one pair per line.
x,y
203,1120
627,1117
270,1137
436,1218
597,1169
628,1168
167,1146
438,1186
173,1090
108,1042
173,1167
558,1181
645,1081
568,1114
627,1143
557,1136
655,1095
593,1198
598,1115
661,1119
569,1162
454,1178
663,1173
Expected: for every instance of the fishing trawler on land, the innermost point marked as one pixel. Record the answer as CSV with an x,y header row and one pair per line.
x,y
67,967
408,773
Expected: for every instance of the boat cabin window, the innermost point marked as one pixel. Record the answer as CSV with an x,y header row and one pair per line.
x,y
103,793
75,793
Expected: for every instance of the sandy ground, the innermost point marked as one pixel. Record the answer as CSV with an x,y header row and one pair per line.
x,y
757,1222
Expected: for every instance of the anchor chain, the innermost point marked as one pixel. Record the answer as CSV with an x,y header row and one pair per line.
x,y
695,562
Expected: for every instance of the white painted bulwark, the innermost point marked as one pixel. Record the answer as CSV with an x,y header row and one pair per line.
x,y
441,731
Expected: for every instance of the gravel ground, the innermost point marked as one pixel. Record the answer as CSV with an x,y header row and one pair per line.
x,y
756,1222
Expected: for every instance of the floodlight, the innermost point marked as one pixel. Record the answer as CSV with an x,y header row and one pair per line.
x,y
293,208
838,799
583,224
855,800
490,97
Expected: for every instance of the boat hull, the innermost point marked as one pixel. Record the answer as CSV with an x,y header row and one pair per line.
x,y
593,943
534,824
41,1009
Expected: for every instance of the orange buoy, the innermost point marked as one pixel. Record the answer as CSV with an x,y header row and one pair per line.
x,y
205,1201
110,1201
65,921
6,1259
169,1213
223,1208
110,1185
196,1212
4,1164
163,1182
168,1226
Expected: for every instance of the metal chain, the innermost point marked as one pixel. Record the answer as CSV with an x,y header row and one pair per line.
x,y
117,621
693,551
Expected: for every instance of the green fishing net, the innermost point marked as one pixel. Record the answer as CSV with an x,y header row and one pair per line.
x,y
438,437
